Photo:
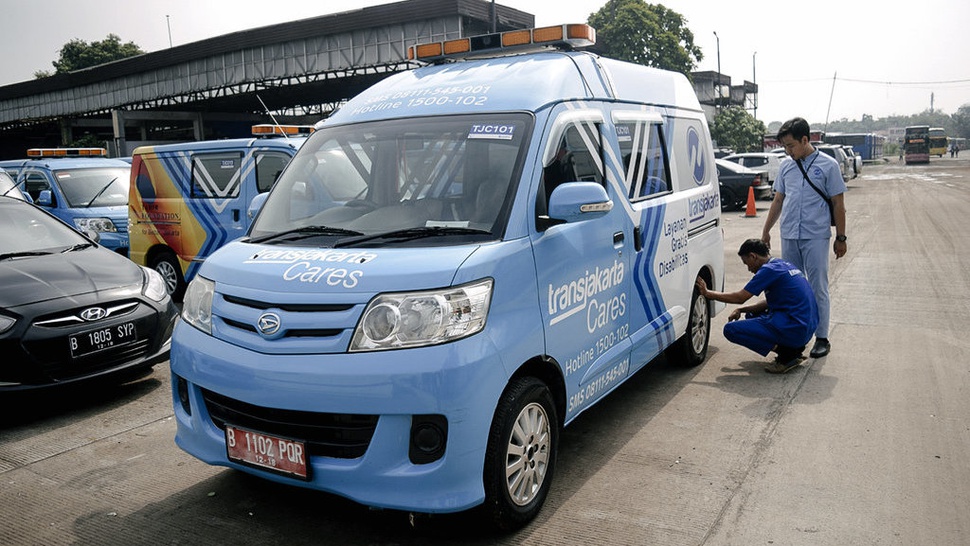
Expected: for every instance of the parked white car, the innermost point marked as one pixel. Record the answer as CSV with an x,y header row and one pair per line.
x,y
763,162
837,153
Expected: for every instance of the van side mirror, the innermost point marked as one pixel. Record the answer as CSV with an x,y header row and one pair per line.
x,y
256,204
576,201
45,199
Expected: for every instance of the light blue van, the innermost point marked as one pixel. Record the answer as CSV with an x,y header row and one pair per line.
x,y
190,198
526,235
81,186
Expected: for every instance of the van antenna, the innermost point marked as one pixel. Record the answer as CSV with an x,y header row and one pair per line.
x,y
270,114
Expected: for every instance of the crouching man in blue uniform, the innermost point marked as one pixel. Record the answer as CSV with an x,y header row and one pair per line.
x,y
784,321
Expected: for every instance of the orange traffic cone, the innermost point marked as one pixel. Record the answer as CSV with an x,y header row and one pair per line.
x,y
751,212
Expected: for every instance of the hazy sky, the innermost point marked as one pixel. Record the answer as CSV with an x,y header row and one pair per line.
x,y
822,60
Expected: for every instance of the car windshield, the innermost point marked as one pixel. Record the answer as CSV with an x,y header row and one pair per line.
x,y
8,187
27,230
438,178
94,187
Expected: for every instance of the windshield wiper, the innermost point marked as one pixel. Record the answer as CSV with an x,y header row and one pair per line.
x,y
102,190
79,246
10,255
410,234
303,233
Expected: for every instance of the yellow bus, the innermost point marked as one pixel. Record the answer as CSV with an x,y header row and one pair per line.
x,y
937,141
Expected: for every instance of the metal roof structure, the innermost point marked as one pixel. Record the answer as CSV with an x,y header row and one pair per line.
x,y
300,68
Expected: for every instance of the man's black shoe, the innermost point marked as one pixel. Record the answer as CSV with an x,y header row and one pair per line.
x,y
821,348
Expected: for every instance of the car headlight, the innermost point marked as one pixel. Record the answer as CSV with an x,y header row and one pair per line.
x,y
416,319
6,323
197,304
153,285
100,225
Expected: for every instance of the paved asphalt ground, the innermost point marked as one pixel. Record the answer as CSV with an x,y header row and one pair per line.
x,y
870,445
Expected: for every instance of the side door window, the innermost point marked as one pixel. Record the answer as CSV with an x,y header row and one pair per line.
x,y
573,154
644,154
269,165
34,183
216,176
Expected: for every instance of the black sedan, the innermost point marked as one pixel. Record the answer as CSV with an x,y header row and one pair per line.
x,y
70,309
735,181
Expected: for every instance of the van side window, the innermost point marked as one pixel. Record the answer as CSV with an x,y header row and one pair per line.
x,y
216,175
579,159
268,169
34,183
644,154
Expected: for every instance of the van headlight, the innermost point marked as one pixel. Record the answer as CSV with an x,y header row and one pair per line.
x,y
197,304
416,319
99,225
153,285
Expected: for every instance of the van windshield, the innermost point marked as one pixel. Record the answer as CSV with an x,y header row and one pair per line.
x,y
94,187
450,175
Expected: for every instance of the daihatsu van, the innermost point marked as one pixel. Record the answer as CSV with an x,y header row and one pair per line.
x,y
526,234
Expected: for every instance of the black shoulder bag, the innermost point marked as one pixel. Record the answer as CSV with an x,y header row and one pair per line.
x,y
827,199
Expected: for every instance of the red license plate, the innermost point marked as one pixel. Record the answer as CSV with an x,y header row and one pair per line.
x,y
280,454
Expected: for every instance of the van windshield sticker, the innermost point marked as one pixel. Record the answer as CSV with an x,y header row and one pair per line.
x,y
495,131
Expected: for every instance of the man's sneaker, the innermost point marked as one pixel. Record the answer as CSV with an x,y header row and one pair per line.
x,y
784,367
821,348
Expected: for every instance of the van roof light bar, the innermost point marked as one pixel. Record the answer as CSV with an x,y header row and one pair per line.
x,y
569,36
268,129
67,152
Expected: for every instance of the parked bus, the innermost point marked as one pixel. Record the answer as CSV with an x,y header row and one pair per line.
x,y
937,141
916,144
868,145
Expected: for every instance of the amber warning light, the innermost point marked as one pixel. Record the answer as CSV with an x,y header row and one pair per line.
x,y
572,36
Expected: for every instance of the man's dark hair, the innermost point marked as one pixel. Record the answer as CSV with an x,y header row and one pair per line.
x,y
757,246
796,127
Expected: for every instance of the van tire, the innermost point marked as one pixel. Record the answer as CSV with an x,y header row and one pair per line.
x,y
691,349
167,265
525,406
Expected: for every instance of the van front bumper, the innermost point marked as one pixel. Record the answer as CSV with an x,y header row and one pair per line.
x,y
459,381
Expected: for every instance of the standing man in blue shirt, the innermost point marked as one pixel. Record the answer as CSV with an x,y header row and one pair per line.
x,y
783,322
807,218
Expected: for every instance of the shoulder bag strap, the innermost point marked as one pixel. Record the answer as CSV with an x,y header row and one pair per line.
x,y
814,187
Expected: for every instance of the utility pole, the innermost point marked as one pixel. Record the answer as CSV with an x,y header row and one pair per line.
x,y
169,23
754,78
717,104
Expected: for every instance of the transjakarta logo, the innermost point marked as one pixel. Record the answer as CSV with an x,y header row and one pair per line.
x,y
695,155
572,297
698,207
319,266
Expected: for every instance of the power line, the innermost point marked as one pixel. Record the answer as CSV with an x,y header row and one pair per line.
x,y
877,82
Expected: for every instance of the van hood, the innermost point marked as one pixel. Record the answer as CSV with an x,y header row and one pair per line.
x,y
42,278
290,269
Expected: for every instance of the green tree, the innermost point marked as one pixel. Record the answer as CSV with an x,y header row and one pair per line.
x,y
961,122
78,54
647,34
735,128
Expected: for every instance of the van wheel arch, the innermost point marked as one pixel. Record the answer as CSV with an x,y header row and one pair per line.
x,y
166,263
691,349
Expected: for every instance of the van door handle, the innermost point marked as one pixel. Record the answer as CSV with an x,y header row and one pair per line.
x,y
235,215
618,238
637,236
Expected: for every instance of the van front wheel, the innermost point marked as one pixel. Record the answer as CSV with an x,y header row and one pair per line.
x,y
691,348
521,455
168,267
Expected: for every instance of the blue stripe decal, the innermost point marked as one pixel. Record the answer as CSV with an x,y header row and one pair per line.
x,y
645,280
